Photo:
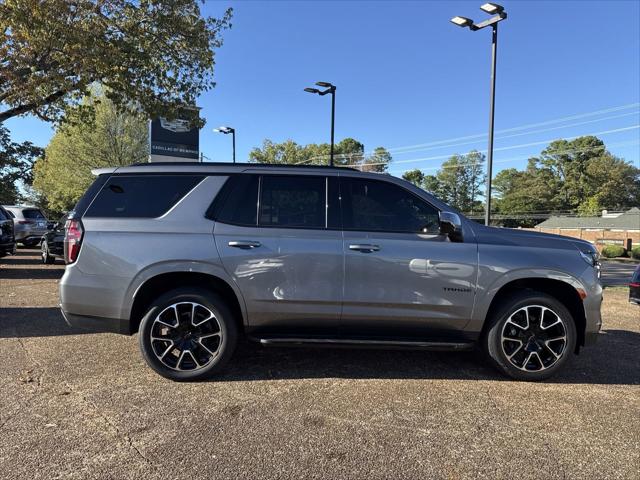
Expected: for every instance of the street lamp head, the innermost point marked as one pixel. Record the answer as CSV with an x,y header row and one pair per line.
x,y
324,84
492,8
224,130
462,21
311,90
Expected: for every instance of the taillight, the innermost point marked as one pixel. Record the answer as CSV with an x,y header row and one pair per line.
x,y
26,222
73,232
635,284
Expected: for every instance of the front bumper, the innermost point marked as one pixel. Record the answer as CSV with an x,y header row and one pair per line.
x,y
96,324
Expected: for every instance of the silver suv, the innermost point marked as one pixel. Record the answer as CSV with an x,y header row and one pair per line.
x,y
29,224
192,256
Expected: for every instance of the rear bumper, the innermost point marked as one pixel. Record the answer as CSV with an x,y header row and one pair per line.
x,y
96,324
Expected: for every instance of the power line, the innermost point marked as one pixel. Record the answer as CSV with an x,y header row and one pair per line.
x,y
479,137
512,147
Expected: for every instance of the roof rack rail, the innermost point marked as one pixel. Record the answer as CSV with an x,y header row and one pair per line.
x,y
245,165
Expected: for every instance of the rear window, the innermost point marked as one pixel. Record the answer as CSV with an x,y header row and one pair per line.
x,y
141,196
3,216
636,275
33,214
293,201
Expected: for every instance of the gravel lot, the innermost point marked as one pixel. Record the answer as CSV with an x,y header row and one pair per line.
x,y
77,405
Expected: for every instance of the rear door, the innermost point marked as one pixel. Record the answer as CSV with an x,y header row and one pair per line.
x,y
402,278
275,237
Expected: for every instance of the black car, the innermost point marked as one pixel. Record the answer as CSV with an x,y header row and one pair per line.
x,y
7,237
52,245
634,287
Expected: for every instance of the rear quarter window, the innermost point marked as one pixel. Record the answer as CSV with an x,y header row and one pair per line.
x,y
33,214
141,196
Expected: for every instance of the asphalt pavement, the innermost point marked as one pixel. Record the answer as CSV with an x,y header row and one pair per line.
x,y
76,405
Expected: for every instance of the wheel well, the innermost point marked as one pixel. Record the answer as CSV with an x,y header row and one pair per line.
x,y
160,284
561,291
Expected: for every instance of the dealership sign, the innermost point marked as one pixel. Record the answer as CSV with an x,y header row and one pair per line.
x,y
173,140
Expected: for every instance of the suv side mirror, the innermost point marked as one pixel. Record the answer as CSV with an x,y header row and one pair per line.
x,y
451,226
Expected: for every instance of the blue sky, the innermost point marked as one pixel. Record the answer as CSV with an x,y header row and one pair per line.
x,y
406,77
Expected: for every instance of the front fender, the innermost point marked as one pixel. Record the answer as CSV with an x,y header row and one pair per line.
x,y
491,281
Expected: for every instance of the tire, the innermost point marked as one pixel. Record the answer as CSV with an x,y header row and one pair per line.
x,y
46,256
180,350
538,351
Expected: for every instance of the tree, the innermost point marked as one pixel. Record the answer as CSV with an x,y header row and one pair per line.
x,y
16,161
414,176
116,138
158,54
347,152
577,176
378,161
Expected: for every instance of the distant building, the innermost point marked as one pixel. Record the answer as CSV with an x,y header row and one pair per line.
x,y
610,228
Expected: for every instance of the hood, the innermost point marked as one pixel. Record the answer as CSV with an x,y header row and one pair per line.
x,y
529,238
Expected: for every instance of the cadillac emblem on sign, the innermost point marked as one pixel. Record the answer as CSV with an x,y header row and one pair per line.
x,y
173,140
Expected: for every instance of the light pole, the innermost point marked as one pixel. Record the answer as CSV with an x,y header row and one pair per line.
x,y
227,131
332,90
498,15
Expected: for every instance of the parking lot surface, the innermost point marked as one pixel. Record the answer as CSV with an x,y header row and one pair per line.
x,y
76,405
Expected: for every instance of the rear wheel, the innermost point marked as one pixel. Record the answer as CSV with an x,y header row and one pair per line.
x,y
45,255
188,334
531,336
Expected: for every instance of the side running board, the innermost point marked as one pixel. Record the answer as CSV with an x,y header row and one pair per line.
x,y
363,343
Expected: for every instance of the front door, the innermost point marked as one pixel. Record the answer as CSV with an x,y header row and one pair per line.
x,y
402,278
273,237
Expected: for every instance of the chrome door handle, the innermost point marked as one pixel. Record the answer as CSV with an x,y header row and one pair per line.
x,y
245,244
364,247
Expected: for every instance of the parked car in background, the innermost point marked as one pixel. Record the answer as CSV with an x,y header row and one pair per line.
x,y
7,238
52,244
634,287
192,256
29,224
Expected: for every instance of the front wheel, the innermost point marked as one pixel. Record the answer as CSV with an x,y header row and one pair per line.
x,y
188,334
531,336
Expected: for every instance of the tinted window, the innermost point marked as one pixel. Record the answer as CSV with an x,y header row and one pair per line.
x,y
240,198
89,195
33,214
636,275
293,201
141,196
371,205
3,216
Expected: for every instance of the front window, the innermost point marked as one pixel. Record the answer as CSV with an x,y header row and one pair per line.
x,y
379,206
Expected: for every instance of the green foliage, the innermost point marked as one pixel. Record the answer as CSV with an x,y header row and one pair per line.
x,y
16,162
348,152
115,138
578,175
458,182
635,252
414,176
158,54
613,251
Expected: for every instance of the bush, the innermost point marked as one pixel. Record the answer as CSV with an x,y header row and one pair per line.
x,y
635,252
612,251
